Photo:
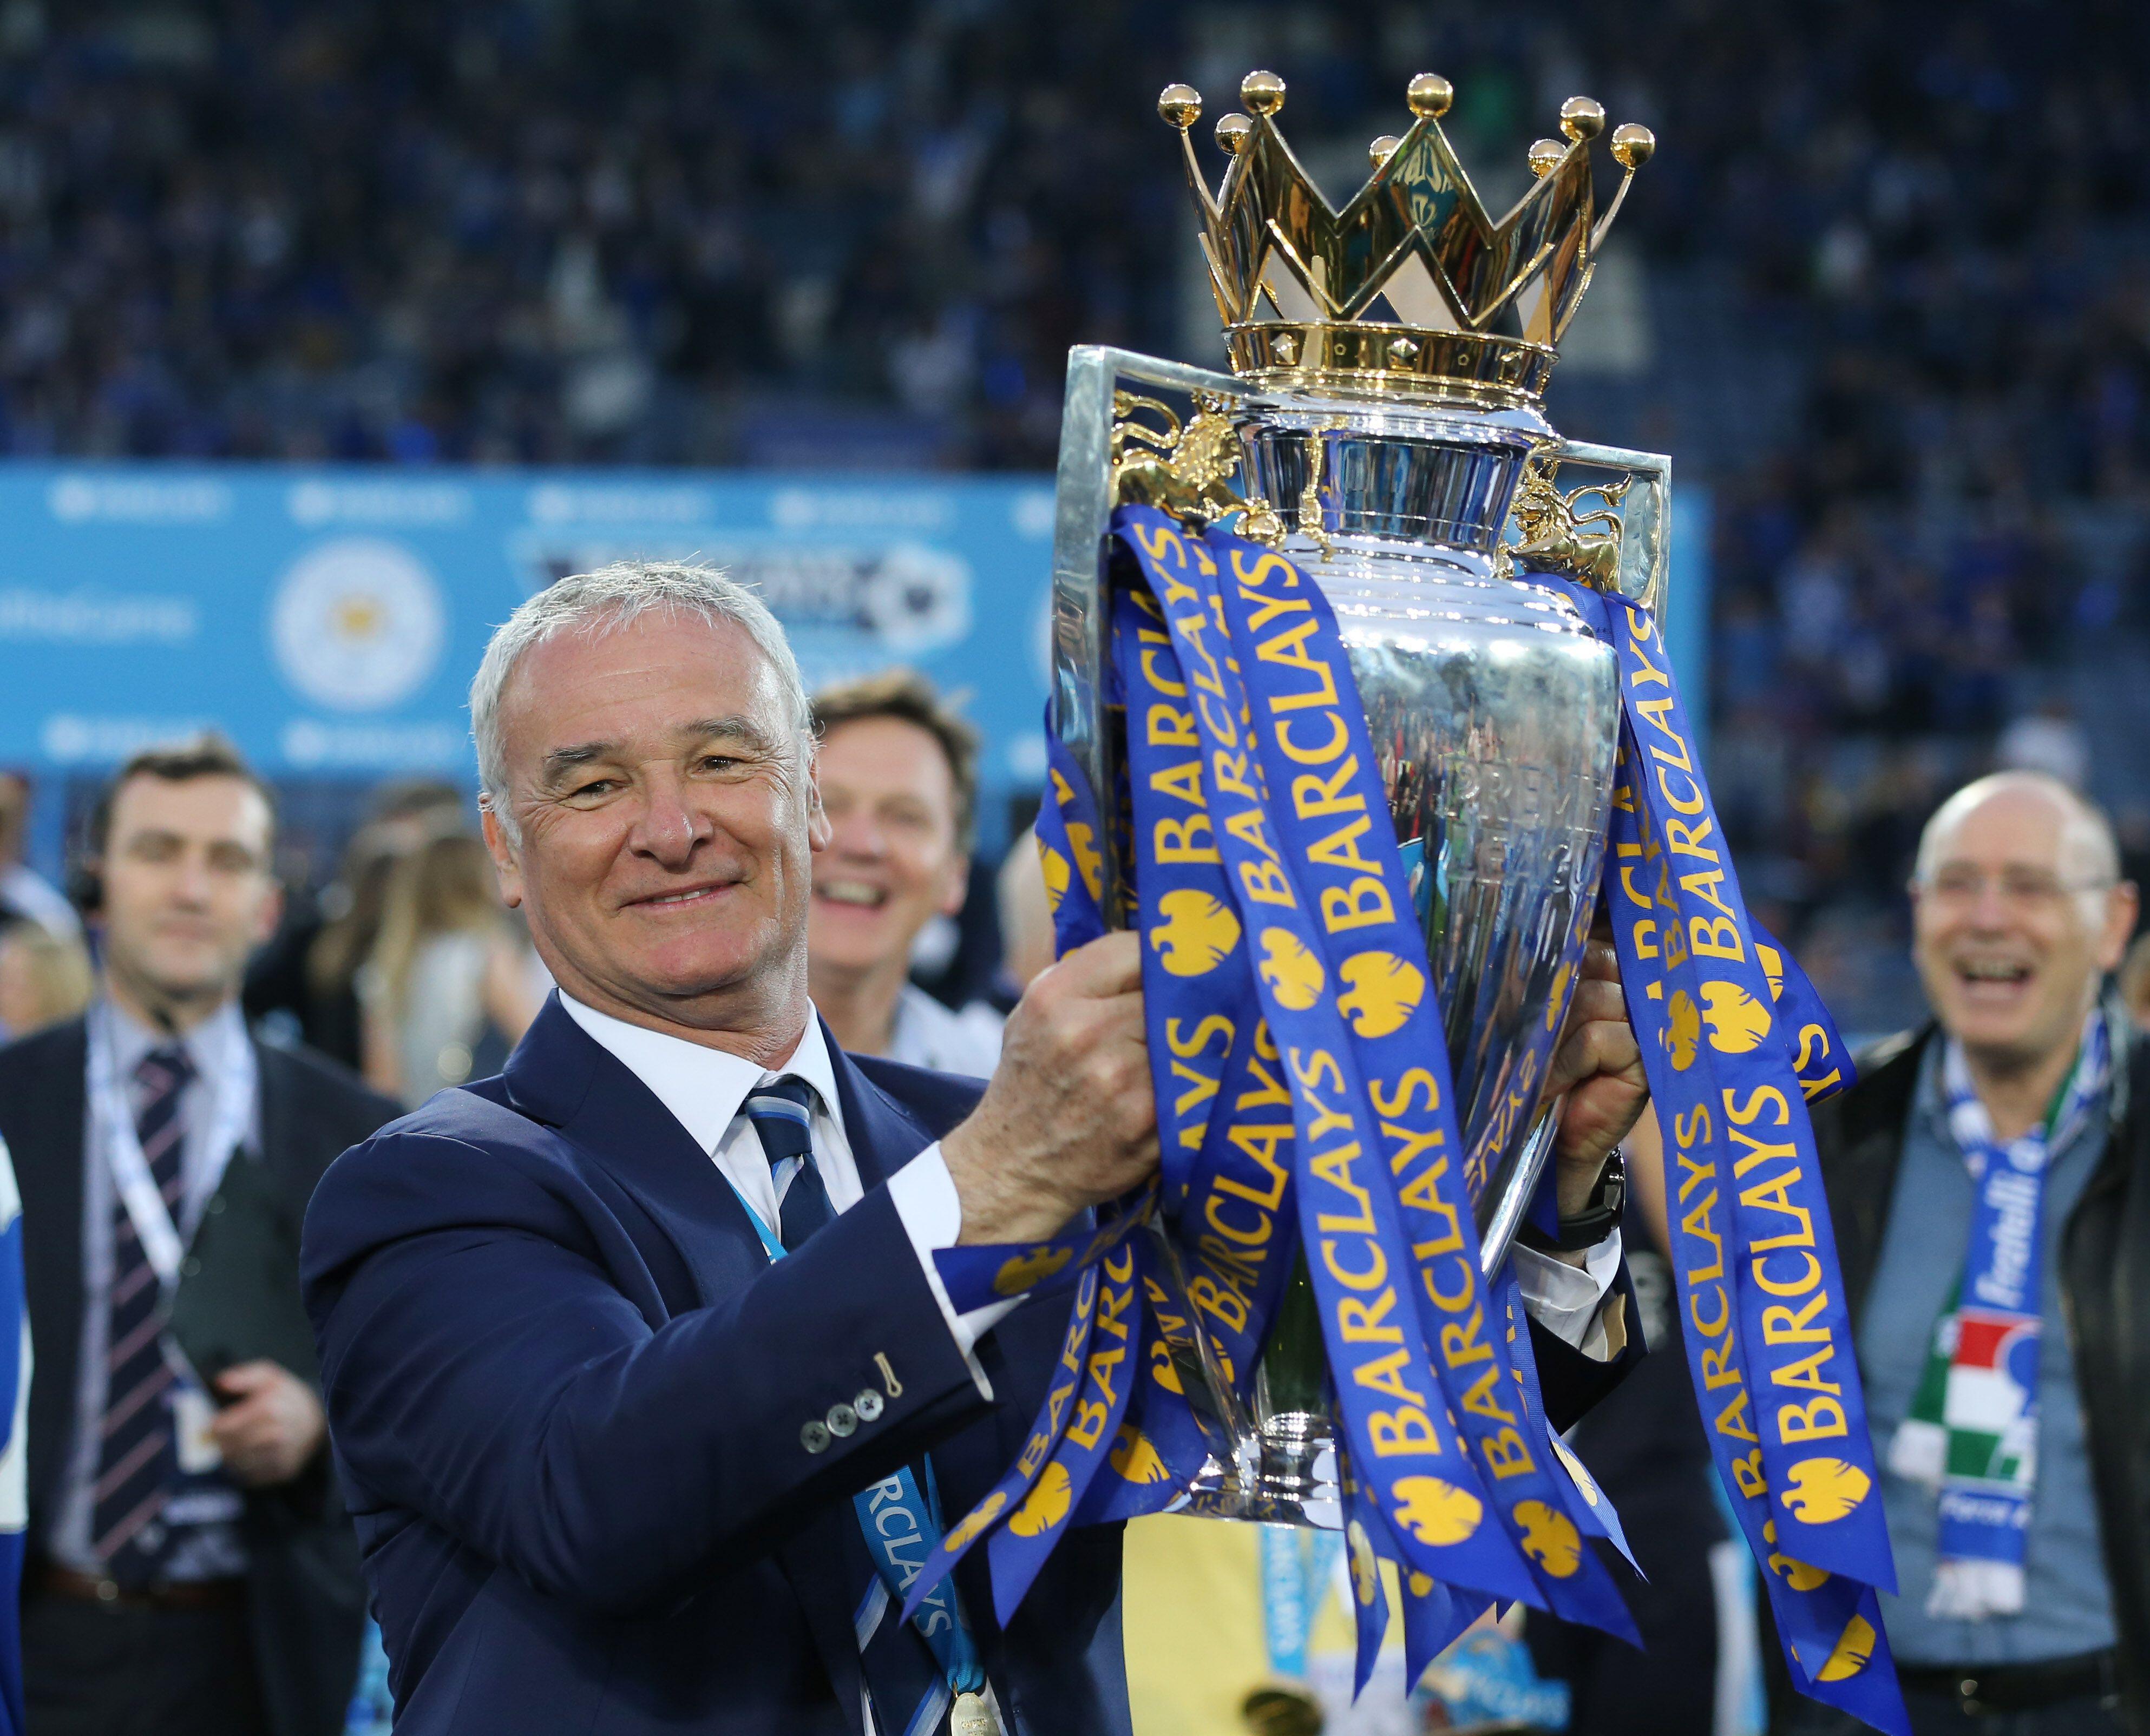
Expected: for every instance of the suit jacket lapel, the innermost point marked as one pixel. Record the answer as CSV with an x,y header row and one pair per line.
x,y
559,1075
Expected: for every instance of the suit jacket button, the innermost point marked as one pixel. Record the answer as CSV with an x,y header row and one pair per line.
x,y
868,1405
814,1437
842,1420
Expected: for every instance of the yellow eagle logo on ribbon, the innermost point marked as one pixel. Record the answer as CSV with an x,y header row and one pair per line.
x,y
1057,872
1796,1574
1134,1458
1026,1271
1437,1512
1853,1648
1295,975
1196,933
1046,1504
1824,1490
1549,1538
1365,1576
975,1522
1162,1368
1738,1021
1682,1033
1383,992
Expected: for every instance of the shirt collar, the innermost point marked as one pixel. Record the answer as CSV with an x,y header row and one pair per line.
x,y
703,1088
209,1044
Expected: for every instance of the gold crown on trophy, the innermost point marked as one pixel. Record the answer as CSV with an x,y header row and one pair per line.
x,y
1412,290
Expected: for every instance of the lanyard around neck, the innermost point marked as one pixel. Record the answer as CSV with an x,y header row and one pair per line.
x,y
112,1134
941,1622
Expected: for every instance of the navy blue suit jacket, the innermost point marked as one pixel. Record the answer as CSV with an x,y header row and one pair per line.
x,y
566,1390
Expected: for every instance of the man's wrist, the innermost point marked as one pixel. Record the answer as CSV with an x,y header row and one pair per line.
x,y
1585,1220
993,1209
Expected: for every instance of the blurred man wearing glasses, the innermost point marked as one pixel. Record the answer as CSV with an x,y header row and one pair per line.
x,y
1990,1181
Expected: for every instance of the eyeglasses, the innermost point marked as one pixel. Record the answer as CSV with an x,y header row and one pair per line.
x,y
2021,888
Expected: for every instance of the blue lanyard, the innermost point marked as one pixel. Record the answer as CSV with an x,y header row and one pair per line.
x,y
903,1529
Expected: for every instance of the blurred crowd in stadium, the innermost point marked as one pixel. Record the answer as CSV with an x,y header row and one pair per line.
x,y
1896,317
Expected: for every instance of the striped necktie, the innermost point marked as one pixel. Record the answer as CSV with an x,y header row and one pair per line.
x,y
910,1696
137,1459
783,1114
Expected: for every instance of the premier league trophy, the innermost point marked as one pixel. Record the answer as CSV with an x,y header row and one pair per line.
x,y
1384,420
1361,718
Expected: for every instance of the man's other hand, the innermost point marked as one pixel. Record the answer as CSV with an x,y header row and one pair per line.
x,y
1068,1120
273,1426
1600,1069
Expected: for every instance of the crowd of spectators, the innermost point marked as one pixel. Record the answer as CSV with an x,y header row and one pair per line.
x,y
627,229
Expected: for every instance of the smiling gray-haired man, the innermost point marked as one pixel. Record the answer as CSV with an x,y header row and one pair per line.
x,y
1989,1178
635,1358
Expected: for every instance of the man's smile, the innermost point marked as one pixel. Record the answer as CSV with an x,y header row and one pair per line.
x,y
680,898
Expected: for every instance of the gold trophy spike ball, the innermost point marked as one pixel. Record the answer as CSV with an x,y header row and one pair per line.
x,y
1232,131
1632,145
1382,149
1582,118
1545,155
1429,95
1262,92
1180,104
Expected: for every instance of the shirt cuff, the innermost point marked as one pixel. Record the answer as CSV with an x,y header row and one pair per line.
x,y
1569,1301
925,1197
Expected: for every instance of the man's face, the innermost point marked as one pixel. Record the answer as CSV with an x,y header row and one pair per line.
x,y
2010,936
891,865
188,890
668,821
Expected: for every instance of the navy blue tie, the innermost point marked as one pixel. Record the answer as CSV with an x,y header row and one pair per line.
x,y
783,1114
137,1459
909,1694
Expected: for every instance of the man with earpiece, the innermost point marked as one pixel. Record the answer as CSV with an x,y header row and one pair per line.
x,y
191,1568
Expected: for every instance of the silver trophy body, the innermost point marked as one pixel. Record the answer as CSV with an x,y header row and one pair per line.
x,y
1495,715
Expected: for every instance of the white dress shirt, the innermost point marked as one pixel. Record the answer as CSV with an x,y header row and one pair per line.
x,y
706,1090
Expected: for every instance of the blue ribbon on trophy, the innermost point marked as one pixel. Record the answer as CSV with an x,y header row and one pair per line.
x,y
1268,879
1734,1049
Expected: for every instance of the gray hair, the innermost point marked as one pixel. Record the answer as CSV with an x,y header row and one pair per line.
x,y
593,604
2086,834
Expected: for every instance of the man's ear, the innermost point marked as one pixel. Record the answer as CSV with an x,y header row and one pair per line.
x,y
959,884
820,831
506,859
2121,906
270,913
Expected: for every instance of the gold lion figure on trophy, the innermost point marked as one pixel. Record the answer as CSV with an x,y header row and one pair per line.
x,y
1183,471
1554,537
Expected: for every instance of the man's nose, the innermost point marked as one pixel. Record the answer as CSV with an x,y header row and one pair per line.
x,y
670,828
858,831
190,886
1991,911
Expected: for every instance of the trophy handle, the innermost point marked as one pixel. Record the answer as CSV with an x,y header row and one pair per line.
x,y
1083,501
1612,535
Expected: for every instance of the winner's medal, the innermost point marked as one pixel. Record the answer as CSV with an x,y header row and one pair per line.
x,y
972,1717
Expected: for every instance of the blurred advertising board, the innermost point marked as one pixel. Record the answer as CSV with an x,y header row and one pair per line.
x,y
329,619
